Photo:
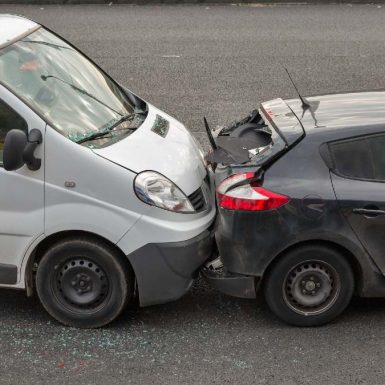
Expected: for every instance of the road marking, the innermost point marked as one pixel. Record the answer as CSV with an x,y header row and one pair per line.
x,y
171,56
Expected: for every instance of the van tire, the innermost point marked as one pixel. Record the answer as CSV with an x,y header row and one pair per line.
x,y
309,286
84,282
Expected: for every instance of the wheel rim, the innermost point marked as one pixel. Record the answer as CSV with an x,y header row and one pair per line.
x,y
81,284
311,287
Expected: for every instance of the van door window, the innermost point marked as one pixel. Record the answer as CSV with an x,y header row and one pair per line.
x,y
9,119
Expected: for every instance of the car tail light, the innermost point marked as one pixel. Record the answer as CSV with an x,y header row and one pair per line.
x,y
241,192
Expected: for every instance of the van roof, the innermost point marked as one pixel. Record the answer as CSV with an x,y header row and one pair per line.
x,y
12,27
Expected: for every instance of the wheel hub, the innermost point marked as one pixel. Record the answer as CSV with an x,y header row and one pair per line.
x,y
82,283
311,287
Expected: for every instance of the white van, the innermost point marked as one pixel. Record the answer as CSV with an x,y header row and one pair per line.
x,y
103,197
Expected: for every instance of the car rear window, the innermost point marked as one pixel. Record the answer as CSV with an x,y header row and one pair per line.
x,y
362,158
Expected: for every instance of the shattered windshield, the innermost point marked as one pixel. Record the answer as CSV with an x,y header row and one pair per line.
x,y
63,86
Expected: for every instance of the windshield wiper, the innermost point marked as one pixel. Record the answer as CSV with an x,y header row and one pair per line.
x,y
100,134
46,43
84,92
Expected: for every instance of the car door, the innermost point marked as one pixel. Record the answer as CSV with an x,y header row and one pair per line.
x,y
21,192
358,178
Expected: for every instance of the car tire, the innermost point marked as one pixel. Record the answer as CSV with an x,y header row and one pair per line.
x,y
309,286
84,282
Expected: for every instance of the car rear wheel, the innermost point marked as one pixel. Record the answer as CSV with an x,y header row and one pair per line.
x,y
83,283
309,286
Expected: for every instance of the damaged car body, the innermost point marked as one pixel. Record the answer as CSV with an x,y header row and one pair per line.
x,y
301,215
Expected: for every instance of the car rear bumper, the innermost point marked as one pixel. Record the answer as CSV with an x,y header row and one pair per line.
x,y
248,241
236,285
165,271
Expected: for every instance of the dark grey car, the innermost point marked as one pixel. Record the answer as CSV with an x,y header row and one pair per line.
x,y
301,198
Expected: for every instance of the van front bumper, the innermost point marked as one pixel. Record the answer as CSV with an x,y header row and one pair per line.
x,y
165,271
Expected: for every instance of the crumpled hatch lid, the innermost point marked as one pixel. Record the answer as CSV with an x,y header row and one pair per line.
x,y
259,137
283,120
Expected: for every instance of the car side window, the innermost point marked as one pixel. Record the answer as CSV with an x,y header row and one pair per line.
x,y
362,158
9,119
377,148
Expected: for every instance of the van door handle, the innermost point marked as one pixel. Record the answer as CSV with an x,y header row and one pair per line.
x,y
369,212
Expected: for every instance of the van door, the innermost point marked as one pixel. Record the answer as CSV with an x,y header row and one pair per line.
x,y
21,192
359,183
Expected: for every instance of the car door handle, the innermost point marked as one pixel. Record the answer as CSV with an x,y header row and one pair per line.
x,y
369,212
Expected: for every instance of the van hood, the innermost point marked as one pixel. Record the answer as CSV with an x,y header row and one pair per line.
x,y
164,145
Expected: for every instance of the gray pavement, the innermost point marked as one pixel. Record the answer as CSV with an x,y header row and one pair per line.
x,y
218,61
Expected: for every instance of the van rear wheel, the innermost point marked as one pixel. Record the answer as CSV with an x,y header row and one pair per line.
x,y
309,286
83,283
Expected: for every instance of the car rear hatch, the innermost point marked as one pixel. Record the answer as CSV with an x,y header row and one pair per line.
x,y
259,138
249,145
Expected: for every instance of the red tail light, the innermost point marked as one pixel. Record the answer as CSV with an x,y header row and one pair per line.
x,y
234,193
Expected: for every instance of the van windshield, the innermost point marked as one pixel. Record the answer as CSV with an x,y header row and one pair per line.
x,y
63,86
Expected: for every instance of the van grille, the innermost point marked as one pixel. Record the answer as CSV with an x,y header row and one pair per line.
x,y
197,199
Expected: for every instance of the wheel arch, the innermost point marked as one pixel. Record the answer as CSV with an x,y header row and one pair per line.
x,y
348,254
40,249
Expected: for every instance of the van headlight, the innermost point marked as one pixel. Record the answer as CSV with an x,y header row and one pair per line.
x,y
156,190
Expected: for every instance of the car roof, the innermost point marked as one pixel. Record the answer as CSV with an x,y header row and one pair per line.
x,y
343,112
13,27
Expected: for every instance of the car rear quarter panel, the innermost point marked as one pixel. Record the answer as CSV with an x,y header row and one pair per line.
x,y
249,241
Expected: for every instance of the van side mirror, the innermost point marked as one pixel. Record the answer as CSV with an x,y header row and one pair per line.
x,y
19,149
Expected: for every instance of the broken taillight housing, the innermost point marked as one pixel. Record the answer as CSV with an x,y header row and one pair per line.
x,y
242,192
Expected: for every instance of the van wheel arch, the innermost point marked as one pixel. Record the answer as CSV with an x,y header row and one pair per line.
x,y
52,239
346,253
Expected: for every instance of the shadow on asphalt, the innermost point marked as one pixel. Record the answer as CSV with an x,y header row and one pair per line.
x,y
201,305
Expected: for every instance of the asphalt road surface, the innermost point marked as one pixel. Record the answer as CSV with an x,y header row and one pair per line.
x,y
218,61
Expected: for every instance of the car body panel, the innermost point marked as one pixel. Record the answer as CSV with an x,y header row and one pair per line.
x,y
356,194
90,189
340,112
22,197
92,203
249,242
280,115
171,262
303,218
176,155
13,26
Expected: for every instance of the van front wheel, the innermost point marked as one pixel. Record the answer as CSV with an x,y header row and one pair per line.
x,y
83,283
